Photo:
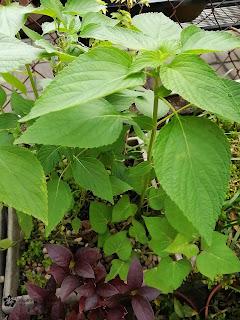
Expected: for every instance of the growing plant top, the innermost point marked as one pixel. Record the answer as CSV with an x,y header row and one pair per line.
x,y
105,129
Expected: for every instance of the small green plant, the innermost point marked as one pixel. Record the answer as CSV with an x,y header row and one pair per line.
x,y
147,175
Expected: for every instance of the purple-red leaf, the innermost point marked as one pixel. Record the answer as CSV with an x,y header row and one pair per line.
x,y
100,272
90,255
86,290
57,311
51,285
58,273
69,284
37,294
106,290
135,275
149,293
84,270
142,308
117,313
19,312
119,285
59,255
91,303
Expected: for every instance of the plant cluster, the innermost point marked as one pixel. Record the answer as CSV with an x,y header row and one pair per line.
x,y
84,275
146,175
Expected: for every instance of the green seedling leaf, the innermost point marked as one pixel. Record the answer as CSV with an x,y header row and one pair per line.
x,y
26,224
22,182
162,234
168,275
6,244
99,216
189,76
200,165
102,238
123,210
118,244
138,232
197,41
181,245
91,175
60,200
118,268
62,93
76,224
217,259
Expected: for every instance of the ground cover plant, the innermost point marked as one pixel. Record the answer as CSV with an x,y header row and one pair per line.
x,y
104,145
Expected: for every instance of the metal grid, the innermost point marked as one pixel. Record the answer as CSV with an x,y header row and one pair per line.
x,y
220,15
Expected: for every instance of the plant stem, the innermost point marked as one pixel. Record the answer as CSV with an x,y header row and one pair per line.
x,y
152,138
173,114
32,81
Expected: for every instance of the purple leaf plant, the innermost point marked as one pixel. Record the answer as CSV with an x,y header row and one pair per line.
x,y
83,292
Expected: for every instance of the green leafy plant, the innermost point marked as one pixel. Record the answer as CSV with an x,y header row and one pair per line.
x,y
101,124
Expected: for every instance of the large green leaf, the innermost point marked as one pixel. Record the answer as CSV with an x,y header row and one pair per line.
x,y
168,275
218,258
96,74
59,202
91,175
157,26
192,163
99,19
197,41
53,7
90,125
121,36
15,53
12,18
191,77
22,183
178,220
82,7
